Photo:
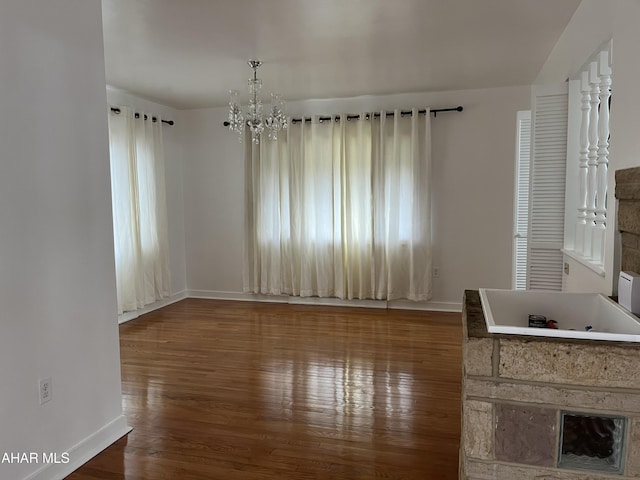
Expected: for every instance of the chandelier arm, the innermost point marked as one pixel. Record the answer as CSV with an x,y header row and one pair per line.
x,y
254,119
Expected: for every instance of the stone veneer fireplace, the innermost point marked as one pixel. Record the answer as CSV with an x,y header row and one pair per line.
x,y
518,390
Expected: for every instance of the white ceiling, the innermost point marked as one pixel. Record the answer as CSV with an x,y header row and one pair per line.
x,y
189,53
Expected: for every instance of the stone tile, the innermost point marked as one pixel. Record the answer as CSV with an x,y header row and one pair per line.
x,y
493,471
629,216
589,364
478,429
630,260
478,357
526,434
633,449
624,402
629,240
628,191
628,183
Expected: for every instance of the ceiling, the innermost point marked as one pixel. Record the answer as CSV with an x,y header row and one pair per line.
x,y
190,53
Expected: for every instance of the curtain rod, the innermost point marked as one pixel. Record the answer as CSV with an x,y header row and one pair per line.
x,y
435,112
137,115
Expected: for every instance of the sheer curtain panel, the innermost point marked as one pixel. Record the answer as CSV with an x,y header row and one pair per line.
x,y
341,209
139,209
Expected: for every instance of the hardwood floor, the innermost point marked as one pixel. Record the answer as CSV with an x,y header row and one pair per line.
x,y
233,390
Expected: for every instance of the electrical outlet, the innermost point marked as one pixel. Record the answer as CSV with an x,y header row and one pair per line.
x,y
46,390
436,272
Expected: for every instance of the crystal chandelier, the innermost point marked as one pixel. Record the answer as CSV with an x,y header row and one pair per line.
x,y
254,118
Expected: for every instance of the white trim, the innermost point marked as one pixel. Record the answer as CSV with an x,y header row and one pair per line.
x,y
425,306
337,302
239,296
606,46
176,297
599,269
84,451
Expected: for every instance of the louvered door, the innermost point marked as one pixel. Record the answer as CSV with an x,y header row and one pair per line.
x,y
547,186
521,214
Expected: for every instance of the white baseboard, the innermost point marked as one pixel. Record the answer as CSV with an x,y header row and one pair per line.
x,y
176,297
337,302
84,451
244,297
427,306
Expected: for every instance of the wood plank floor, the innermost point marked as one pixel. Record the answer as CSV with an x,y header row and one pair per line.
x,y
233,390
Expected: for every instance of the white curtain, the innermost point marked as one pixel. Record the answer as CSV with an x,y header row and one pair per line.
x,y
341,209
139,209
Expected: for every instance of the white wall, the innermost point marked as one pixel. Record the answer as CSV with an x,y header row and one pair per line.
x,y
473,162
213,199
173,151
625,107
590,26
57,278
594,23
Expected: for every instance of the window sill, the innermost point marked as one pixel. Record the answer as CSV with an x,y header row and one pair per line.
x,y
594,267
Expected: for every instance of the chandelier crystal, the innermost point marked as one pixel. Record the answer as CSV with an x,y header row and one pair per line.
x,y
254,118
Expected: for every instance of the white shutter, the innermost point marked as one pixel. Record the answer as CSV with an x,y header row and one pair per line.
x,y
546,202
521,213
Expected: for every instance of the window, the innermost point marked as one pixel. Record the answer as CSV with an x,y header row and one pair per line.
x,y
342,209
139,209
